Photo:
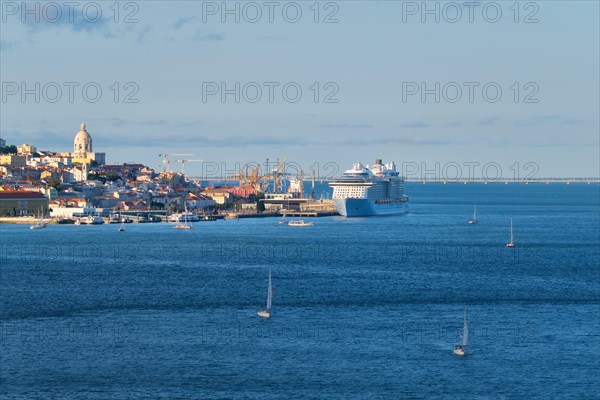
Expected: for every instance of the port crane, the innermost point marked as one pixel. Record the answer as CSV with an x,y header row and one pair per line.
x,y
166,161
250,175
183,162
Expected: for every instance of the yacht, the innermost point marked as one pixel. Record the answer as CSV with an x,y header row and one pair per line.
x,y
475,219
184,216
39,224
461,349
185,224
266,313
364,191
300,222
91,220
511,243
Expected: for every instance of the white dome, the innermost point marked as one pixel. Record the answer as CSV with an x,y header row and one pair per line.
x,y
83,141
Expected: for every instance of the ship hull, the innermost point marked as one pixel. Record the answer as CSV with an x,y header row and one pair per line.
x,y
368,208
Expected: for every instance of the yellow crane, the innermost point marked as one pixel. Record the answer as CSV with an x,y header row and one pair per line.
x,y
250,175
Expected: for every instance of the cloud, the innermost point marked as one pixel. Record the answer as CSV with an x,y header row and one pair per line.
x,y
414,125
181,22
5,45
214,37
348,126
273,39
143,33
59,15
194,139
403,141
545,120
123,122
489,121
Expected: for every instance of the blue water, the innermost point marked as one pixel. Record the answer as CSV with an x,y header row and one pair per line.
x,y
363,308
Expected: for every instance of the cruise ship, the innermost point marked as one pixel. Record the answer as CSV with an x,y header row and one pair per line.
x,y
365,191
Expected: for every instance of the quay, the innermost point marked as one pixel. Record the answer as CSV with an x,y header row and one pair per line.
x,y
310,213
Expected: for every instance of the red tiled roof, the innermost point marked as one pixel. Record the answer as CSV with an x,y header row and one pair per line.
x,y
21,195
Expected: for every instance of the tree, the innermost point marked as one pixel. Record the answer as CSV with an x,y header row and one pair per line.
x,y
12,149
260,206
55,183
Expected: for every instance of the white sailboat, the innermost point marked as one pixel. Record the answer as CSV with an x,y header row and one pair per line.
x,y
461,349
39,224
511,243
475,218
185,221
267,312
283,221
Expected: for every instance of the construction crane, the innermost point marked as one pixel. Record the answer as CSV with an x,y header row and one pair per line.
x,y
166,161
183,162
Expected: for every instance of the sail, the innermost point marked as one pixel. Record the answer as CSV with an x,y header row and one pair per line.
x,y
465,335
511,231
269,292
475,213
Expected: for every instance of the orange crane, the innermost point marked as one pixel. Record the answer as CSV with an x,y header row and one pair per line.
x,y
166,161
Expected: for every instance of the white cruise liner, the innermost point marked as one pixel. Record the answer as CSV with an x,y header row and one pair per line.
x,y
364,191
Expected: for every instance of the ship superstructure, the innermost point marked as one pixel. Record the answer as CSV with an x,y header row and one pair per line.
x,y
365,191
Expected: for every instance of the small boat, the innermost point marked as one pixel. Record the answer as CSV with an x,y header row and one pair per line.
x,y
266,313
475,218
300,222
232,215
122,227
39,224
461,349
511,243
185,224
78,221
282,221
91,220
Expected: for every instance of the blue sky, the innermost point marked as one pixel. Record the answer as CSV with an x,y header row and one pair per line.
x,y
374,51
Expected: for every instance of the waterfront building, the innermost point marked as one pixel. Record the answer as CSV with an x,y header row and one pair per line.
x,y
20,203
220,196
199,201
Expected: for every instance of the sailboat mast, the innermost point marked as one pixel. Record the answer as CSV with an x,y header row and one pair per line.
x,y
269,292
465,334
511,231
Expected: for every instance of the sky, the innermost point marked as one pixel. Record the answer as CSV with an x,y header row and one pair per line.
x,y
441,88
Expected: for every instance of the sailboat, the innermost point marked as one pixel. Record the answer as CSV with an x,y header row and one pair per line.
x,y
267,312
39,224
283,221
461,349
511,243
185,221
475,218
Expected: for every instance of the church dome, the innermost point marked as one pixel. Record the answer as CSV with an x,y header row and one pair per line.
x,y
83,141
